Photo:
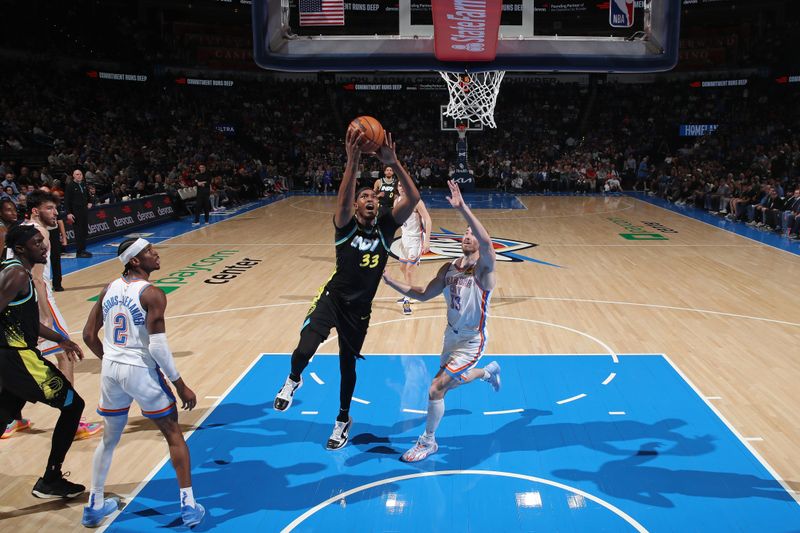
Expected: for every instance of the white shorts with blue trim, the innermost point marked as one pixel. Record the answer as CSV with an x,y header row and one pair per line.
x,y
121,384
55,322
410,247
461,351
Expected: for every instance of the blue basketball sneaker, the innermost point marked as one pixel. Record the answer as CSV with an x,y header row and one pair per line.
x,y
93,517
192,515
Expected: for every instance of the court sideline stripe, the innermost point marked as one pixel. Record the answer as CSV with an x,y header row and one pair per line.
x,y
129,498
540,298
738,435
568,245
610,352
247,209
657,306
510,211
784,250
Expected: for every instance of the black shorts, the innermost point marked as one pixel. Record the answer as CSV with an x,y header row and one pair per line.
x,y
350,320
26,377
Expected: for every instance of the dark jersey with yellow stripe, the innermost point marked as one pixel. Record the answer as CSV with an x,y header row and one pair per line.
x,y
20,318
389,190
361,254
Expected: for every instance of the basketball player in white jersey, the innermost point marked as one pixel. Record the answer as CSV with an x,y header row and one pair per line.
x,y
135,353
467,284
44,217
415,241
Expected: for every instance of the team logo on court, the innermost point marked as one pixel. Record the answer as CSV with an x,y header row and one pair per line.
x,y
446,245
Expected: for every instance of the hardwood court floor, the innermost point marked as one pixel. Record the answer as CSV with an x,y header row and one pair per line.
x,y
720,306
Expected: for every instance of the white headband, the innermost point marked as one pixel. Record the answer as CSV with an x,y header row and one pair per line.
x,y
133,250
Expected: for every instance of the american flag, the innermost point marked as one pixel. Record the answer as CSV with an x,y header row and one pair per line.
x,y
322,12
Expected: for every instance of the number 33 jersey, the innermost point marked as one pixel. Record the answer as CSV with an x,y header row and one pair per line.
x,y
125,336
467,301
361,255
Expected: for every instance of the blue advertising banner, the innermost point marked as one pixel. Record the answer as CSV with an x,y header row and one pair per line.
x,y
697,130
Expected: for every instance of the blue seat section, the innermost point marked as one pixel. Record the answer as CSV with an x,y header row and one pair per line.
x,y
476,200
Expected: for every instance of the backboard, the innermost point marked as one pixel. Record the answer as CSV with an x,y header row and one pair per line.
x,y
397,35
449,123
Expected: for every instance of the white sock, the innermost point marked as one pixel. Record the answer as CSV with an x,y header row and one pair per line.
x,y
187,497
435,414
96,498
112,431
486,374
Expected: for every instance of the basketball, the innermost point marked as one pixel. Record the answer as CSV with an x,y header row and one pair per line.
x,y
372,131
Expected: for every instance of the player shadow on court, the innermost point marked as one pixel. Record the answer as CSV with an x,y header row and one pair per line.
x,y
521,435
47,506
138,423
629,479
249,460
44,507
373,445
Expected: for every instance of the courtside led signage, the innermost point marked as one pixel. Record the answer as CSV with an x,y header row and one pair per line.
x,y
718,83
115,76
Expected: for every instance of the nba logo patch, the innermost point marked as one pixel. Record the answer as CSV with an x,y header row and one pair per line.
x,y
620,13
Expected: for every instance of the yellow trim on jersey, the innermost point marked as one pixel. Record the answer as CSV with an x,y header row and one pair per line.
x,y
15,338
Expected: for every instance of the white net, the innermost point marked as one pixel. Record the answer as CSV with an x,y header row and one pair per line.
x,y
473,95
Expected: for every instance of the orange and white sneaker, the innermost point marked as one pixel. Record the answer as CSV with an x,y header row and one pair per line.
x,y
424,447
88,429
14,426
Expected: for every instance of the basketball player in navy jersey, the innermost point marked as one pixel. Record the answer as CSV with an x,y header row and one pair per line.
x,y
386,189
25,376
362,238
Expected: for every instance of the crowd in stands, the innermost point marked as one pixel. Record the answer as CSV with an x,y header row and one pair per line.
x,y
748,169
128,141
134,139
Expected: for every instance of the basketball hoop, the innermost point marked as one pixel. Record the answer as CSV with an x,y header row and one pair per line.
x,y
473,96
